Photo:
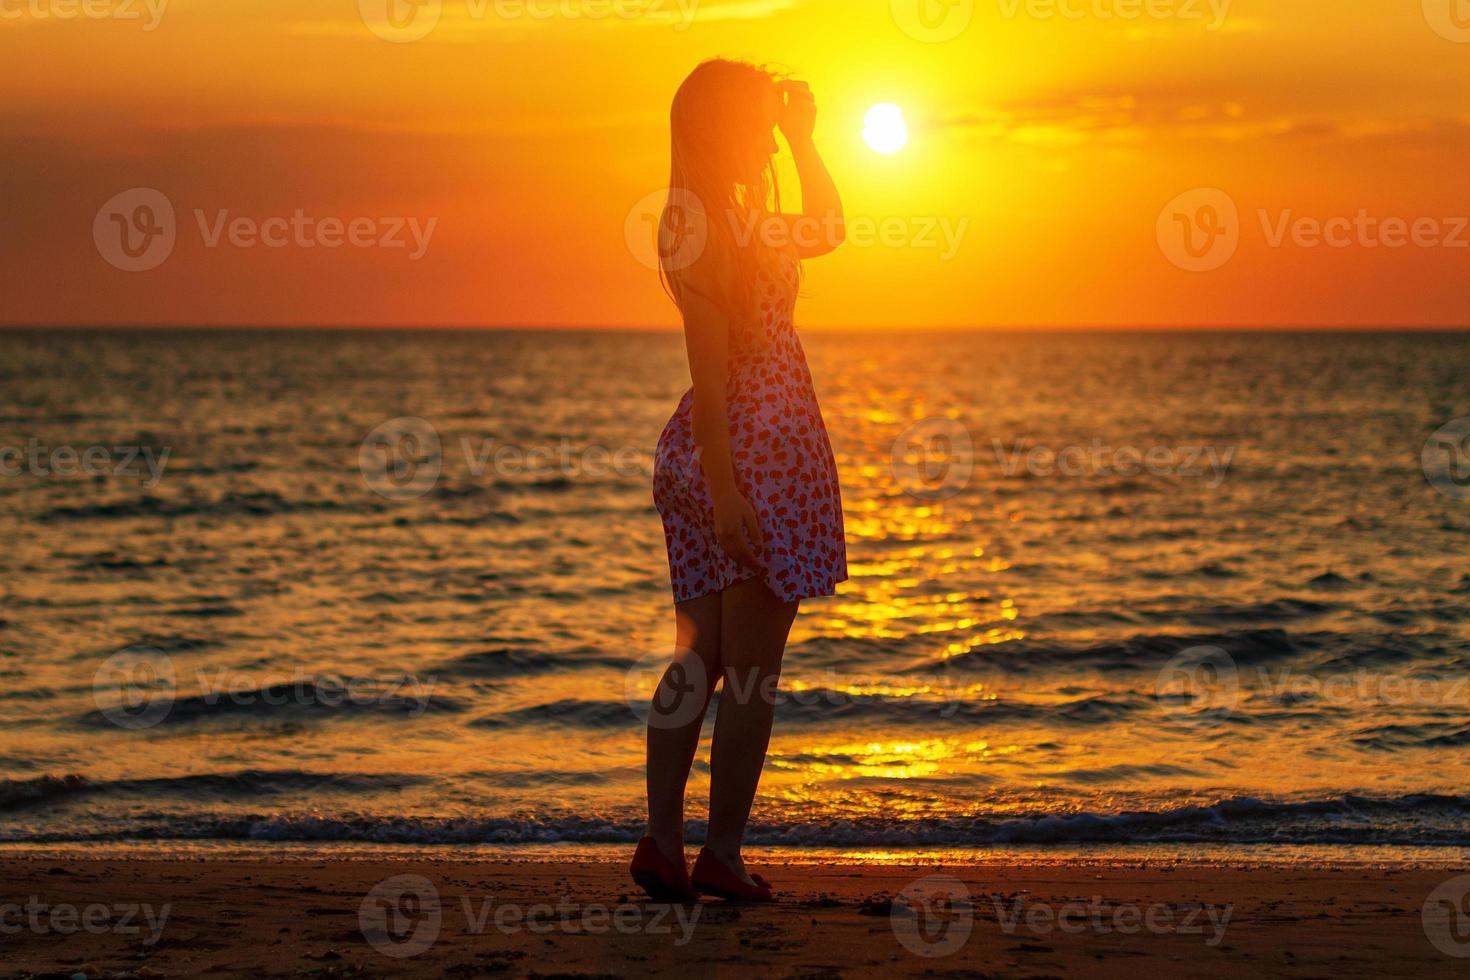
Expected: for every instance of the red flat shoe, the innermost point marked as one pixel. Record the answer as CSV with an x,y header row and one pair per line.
x,y
713,878
662,879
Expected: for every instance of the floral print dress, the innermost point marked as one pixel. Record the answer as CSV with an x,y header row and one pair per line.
x,y
782,459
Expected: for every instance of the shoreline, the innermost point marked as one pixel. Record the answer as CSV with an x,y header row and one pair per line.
x,y
1233,855
453,916
1079,855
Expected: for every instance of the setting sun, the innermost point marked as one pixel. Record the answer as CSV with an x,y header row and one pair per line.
x,y
884,128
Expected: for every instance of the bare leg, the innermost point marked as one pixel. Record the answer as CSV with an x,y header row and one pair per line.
x,y
754,626
674,720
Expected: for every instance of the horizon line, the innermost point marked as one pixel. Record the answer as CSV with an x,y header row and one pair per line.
x,y
650,328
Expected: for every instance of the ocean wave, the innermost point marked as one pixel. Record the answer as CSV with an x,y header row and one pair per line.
x,y
1209,570
172,643
1414,820
1121,773
305,701
1423,736
1221,615
29,793
501,662
568,712
1141,652
844,651
262,504
816,706
17,793
1272,611
207,611
112,562
1333,582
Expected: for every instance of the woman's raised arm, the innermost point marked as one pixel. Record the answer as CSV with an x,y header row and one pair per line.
x,y
821,226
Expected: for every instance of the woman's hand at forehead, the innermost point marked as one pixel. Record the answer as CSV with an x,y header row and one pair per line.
x,y
798,113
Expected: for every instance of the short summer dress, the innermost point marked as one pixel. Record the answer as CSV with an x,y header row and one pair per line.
x,y
782,459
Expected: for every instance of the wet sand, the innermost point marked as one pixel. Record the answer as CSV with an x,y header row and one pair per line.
x,y
456,918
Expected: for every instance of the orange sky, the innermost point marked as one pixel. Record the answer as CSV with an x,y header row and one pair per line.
x,y
1048,137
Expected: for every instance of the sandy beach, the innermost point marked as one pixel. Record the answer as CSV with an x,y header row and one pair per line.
x,y
454,918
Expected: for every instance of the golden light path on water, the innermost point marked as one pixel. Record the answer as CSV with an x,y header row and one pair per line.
x,y
996,653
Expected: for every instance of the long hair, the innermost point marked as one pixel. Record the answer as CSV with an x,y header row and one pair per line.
x,y
721,180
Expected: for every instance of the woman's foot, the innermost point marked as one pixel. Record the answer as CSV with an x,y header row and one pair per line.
x,y
728,879
664,879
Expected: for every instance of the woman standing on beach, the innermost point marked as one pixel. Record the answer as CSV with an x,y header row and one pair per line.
x,y
745,480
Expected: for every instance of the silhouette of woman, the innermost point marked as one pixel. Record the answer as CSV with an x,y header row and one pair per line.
x,y
745,480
